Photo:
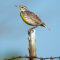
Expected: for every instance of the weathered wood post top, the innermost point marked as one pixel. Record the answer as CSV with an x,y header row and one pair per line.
x,y
32,44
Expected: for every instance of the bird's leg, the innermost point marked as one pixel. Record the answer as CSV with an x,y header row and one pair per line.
x,y
31,29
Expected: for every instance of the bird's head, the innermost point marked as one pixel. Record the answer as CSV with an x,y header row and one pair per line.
x,y
22,8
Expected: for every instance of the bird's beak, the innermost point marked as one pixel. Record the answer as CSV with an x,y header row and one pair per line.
x,y
17,6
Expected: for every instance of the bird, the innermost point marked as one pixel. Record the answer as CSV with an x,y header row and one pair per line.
x,y
31,18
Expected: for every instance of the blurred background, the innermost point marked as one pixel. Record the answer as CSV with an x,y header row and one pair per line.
x,y
13,31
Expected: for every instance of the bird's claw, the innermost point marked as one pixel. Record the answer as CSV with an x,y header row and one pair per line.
x,y
29,30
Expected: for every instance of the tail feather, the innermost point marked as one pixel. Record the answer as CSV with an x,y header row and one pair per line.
x,y
47,27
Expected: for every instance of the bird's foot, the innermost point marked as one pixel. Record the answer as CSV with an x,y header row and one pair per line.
x,y
29,30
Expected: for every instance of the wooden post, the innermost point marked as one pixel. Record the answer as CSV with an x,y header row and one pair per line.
x,y
32,44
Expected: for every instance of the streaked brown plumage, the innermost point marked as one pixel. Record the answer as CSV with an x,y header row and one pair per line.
x,y
31,18
30,15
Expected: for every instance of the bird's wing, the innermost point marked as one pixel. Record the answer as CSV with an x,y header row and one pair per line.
x,y
33,17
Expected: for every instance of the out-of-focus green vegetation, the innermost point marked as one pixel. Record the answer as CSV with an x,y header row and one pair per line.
x,y
11,55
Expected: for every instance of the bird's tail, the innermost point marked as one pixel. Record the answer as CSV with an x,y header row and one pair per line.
x,y
47,27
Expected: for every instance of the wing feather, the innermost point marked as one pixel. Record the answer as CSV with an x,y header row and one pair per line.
x,y
33,17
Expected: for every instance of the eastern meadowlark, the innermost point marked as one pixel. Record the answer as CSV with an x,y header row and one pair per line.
x,y
30,18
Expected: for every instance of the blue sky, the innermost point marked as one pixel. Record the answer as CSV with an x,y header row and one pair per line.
x,y
13,31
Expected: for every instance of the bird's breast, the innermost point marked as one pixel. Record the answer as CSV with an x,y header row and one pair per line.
x,y
24,18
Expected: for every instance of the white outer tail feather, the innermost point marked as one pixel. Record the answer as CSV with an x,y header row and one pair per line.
x,y
46,27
